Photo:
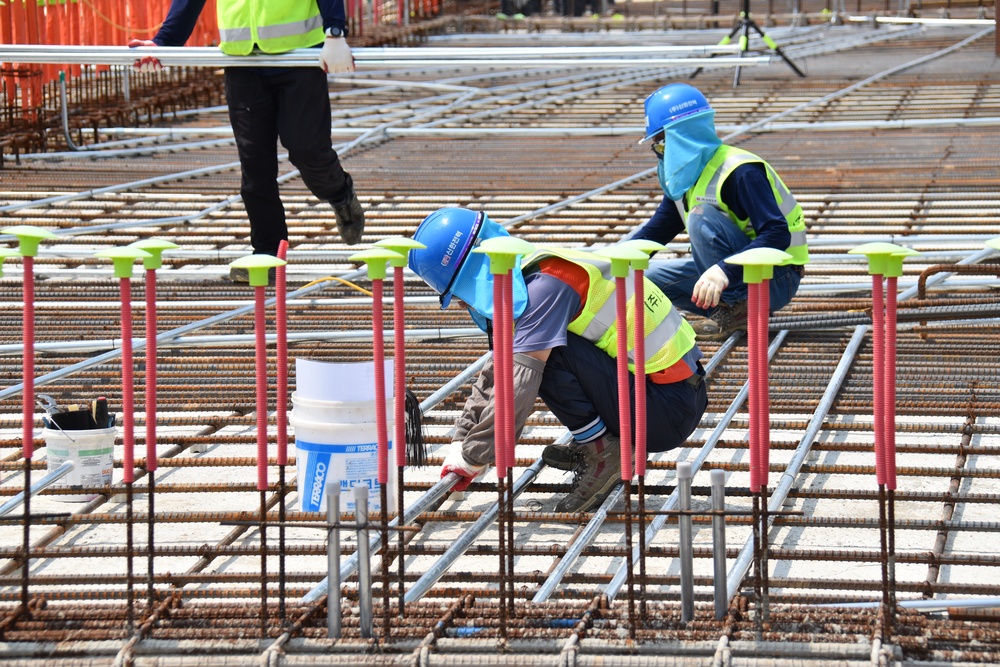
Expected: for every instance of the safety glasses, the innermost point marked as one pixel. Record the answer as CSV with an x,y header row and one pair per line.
x,y
658,145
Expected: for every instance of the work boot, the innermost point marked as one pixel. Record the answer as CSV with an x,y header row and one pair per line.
x,y
350,216
598,467
561,457
722,321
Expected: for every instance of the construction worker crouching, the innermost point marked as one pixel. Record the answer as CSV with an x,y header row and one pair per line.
x,y
727,200
565,341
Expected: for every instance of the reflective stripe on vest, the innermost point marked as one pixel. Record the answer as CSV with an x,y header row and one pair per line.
x,y
272,27
722,164
668,335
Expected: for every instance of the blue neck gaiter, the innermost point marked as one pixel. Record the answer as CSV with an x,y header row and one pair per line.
x,y
689,145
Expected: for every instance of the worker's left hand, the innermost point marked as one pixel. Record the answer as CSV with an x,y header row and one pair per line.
x,y
708,290
455,462
335,57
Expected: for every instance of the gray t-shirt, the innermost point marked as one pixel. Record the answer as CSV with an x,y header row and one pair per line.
x,y
552,304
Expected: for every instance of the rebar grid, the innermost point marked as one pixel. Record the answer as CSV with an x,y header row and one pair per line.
x,y
207,585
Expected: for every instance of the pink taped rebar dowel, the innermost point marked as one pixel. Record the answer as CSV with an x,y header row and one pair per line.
x,y
763,381
378,336
624,404
878,375
151,461
28,359
889,400
128,383
753,302
260,371
281,326
639,355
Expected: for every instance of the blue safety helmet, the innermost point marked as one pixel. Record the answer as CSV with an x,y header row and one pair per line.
x,y
670,104
449,234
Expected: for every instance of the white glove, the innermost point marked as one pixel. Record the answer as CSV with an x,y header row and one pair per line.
x,y
335,57
146,63
455,462
708,290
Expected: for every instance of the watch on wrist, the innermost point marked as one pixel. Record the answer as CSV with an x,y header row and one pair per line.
x,y
334,32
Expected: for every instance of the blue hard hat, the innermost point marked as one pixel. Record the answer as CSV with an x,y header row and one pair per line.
x,y
449,234
670,104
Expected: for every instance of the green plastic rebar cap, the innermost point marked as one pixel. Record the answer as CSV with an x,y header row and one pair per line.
x,y
4,254
155,248
645,245
401,245
758,264
376,259
257,267
503,252
123,259
994,243
622,258
884,259
28,238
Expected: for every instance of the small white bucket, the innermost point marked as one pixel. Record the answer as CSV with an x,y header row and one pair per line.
x,y
92,452
339,440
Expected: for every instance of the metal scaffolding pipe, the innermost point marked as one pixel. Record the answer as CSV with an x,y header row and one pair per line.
x,y
686,546
377,57
718,480
364,562
333,560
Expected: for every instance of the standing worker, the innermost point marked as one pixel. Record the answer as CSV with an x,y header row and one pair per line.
x,y
271,103
565,343
728,200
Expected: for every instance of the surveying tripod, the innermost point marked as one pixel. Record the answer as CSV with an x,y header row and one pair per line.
x,y
743,27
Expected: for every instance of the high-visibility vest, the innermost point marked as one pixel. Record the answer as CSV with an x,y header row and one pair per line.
x,y
708,190
273,26
668,335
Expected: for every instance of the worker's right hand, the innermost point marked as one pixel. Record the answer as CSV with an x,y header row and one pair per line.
x,y
708,290
455,462
146,63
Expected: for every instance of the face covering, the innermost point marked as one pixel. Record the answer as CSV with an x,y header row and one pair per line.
x,y
474,282
688,146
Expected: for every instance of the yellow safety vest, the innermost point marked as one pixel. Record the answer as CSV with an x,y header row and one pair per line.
x,y
668,335
708,190
272,26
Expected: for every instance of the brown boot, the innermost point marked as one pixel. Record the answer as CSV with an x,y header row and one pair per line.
x,y
598,468
725,319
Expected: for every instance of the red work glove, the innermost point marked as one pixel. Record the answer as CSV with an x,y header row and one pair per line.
x,y
455,462
146,63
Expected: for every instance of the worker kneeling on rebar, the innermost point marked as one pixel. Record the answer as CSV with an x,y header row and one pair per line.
x,y
565,341
727,200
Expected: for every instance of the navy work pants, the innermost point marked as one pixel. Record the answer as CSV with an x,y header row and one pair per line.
x,y
580,383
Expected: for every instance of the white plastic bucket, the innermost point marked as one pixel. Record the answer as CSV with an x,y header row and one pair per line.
x,y
92,452
339,440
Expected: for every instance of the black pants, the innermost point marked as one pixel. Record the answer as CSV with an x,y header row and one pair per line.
x,y
293,105
580,383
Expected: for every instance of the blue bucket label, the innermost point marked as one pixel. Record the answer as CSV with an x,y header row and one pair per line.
x,y
354,464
